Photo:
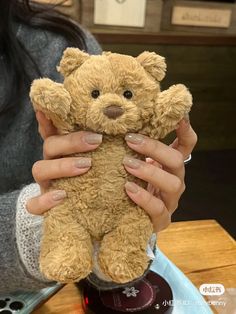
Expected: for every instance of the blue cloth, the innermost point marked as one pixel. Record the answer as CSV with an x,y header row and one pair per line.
x,y
186,297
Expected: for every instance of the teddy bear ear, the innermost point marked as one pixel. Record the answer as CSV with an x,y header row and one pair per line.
x,y
72,59
154,64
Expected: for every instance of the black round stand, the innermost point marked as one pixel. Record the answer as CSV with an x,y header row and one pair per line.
x,y
151,295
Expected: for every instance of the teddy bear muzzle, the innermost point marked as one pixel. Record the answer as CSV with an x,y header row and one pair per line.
x,y
113,111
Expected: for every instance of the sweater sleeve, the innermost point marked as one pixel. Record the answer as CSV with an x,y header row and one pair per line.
x,y
20,234
93,46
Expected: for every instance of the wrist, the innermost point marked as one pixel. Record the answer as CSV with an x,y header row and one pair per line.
x,y
29,232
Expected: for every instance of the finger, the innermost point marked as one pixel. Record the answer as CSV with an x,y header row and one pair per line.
x,y
168,157
156,176
154,207
186,138
46,128
40,204
76,142
45,170
153,162
169,186
171,201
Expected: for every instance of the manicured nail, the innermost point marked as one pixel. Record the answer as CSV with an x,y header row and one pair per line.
x,y
58,195
184,123
186,118
93,138
83,163
131,162
134,138
131,187
177,126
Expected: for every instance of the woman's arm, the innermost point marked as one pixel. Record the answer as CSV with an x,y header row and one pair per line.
x,y
19,230
14,274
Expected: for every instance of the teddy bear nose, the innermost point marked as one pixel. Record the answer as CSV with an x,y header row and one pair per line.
x,y
113,111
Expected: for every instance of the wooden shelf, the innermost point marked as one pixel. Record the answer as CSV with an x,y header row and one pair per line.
x,y
165,38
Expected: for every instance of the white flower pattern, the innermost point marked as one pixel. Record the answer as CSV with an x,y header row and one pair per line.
x,y
130,292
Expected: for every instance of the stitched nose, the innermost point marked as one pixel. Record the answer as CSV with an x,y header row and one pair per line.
x,y
113,111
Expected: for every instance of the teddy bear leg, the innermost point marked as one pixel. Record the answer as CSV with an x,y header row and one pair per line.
x,y
122,253
66,249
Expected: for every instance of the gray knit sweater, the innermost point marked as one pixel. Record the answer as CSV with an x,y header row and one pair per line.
x,y
20,147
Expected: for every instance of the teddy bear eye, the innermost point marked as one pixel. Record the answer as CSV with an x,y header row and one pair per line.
x,y
128,94
95,93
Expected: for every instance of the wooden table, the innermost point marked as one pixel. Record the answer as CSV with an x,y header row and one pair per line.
x,y
203,250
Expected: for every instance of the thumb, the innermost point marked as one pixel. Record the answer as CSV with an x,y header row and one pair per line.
x,y
186,138
46,127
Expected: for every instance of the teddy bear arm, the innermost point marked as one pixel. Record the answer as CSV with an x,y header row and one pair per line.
x,y
52,99
171,106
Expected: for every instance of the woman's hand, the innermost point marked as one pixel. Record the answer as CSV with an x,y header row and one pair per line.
x,y
164,173
56,166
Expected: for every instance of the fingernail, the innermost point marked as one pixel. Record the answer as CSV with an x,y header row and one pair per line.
x,y
58,195
186,118
131,162
134,138
177,126
184,123
131,187
83,163
93,138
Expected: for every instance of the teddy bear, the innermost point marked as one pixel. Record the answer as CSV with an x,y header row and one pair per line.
x,y
111,94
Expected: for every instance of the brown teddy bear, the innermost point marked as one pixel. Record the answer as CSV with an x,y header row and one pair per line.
x,y
111,94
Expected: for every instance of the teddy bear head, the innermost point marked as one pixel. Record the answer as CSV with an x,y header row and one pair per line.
x,y
111,93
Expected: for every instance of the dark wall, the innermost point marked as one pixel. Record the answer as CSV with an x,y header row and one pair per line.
x,y
210,74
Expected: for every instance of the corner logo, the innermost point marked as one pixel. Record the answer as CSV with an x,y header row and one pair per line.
x,y
212,289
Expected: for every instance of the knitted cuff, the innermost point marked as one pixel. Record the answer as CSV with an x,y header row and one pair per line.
x,y
29,232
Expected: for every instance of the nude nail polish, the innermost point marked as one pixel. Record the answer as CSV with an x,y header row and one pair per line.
x,y
83,163
186,118
131,162
93,138
131,187
58,195
134,138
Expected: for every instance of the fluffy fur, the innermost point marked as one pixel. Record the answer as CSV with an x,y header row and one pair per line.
x,y
97,206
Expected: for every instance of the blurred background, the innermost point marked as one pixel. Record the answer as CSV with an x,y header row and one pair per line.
x,y
198,40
